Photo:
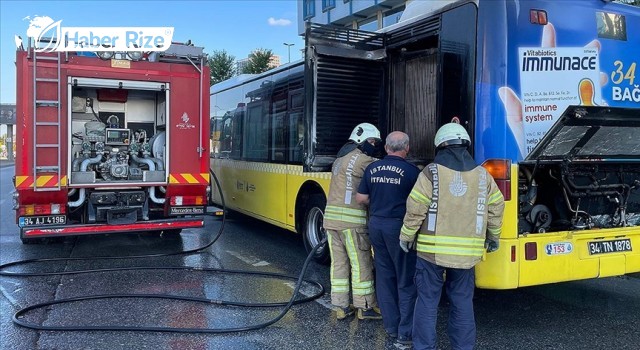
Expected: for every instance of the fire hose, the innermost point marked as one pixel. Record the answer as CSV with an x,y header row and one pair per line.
x,y
294,300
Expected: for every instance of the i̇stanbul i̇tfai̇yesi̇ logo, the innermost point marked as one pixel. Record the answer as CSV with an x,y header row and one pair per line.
x,y
53,37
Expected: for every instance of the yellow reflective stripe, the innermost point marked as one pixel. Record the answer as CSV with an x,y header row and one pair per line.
x,y
419,197
363,288
345,211
453,240
462,251
355,216
345,218
339,285
189,178
339,289
359,287
42,180
408,231
353,257
495,231
495,197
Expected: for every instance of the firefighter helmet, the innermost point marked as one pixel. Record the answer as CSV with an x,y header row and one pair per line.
x,y
363,131
452,134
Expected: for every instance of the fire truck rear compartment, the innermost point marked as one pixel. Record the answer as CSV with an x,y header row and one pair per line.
x,y
117,145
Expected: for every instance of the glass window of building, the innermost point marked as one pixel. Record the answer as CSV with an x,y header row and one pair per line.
x,y
369,24
328,4
392,16
309,8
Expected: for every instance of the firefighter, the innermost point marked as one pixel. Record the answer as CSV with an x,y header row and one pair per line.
x,y
385,187
455,209
346,223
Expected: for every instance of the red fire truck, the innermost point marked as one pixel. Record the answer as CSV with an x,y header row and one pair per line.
x,y
111,142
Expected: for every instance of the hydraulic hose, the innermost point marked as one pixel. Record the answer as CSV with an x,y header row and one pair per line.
x,y
287,305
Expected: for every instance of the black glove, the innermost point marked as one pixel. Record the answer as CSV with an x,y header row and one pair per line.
x,y
406,246
491,246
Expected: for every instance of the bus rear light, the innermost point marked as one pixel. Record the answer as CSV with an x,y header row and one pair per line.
x,y
188,200
513,253
538,17
531,251
500,170
41,209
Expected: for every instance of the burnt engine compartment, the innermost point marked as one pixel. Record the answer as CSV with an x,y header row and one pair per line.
x,y
578,196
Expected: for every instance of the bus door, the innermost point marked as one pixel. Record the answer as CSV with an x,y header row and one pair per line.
x,y
413,96
345,76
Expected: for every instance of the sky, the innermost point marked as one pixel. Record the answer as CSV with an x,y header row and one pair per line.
x,y
237,26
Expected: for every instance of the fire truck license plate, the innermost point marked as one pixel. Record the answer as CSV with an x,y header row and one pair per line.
x,y
603,247
42,220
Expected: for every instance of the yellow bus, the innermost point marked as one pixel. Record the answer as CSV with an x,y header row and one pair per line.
x,y
551,105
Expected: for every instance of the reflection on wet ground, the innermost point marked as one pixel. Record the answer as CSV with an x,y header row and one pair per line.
x,y
591,314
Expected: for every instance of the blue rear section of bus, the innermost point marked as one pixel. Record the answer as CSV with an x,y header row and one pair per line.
x,y
506,26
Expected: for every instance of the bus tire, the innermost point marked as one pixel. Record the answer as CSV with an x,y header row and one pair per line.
x,y
312,231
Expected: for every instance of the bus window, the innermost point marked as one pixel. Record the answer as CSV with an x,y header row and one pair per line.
x,y
296,126
296,137
256,134
235,139
278,130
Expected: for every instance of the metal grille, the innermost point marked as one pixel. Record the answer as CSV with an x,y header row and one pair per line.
x,y
420,105
424,28
348,92
353,38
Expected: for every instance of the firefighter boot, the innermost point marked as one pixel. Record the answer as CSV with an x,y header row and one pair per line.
x,y
344,312
369,314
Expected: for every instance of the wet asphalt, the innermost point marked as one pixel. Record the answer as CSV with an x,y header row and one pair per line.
x,y
590,314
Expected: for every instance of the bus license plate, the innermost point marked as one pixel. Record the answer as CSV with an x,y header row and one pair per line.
x,y
42,220
603,247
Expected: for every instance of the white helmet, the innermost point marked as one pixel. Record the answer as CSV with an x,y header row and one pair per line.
x,y
363,131
452,134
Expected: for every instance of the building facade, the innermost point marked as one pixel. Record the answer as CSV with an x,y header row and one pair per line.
x,y
369,15
274,62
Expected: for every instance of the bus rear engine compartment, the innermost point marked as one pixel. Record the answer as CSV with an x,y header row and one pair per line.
x,y
583,174
578,196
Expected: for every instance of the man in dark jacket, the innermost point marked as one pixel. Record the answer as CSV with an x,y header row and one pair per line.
x,y
385,187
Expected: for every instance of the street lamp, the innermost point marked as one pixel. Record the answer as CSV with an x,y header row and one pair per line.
x,y
289,49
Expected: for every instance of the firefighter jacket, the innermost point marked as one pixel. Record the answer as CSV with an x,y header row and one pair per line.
x,y
343,211
452,213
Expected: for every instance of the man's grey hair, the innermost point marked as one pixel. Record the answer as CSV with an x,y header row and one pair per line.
x,y
397,141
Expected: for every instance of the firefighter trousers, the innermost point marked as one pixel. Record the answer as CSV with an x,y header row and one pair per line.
x,y
351,257
461,326
395,269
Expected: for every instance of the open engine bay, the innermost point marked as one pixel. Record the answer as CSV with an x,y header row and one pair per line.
x,y
584,174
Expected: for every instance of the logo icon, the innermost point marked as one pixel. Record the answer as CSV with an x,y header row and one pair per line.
x,y
185,122
457,186
50,36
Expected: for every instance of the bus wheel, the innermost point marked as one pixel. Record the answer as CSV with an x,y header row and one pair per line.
x,y
312,232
